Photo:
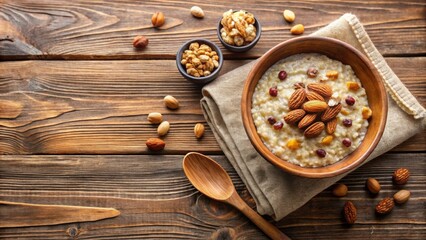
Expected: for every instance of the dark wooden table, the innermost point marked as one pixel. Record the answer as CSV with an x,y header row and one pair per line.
x,y
75,94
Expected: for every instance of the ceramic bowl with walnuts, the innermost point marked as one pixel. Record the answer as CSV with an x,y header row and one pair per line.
x,y
199,61
238,31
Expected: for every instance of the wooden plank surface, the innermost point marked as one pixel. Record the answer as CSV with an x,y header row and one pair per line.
x,y
157,201
105,29
73,107
100,107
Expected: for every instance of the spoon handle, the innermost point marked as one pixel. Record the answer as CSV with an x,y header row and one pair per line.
x,y
268,228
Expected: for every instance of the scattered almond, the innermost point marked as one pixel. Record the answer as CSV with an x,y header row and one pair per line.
x,y
314,130
373,185
163,128
155,117
294,116
297,99
297,29
315,106
199,130
314,96
350,213
385,206
401,196
321,88
400,176
331,112
307,120
340,190
289,16
331,126
155,144
197,12
171,102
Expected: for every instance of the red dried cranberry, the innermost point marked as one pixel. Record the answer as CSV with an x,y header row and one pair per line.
x,y
321,153
273,91
347,122
271,120
278,125
282,75
347,142
350,100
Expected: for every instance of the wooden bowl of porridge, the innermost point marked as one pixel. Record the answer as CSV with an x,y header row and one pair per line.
x,y
315,107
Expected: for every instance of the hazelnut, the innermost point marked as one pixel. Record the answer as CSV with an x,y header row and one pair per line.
x,y
157,19
340,190
312,72
373,185
140,42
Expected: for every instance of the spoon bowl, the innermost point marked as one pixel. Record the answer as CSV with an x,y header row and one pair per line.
x,y
211,179
213,182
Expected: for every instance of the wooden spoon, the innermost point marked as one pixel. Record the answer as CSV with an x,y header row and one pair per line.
x,y
211,179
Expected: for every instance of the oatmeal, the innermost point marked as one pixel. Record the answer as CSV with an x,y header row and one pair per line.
x,y
310,110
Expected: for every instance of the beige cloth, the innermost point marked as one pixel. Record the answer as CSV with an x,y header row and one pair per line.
x,y
276,192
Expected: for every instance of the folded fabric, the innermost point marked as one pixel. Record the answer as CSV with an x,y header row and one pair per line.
x,y
276,192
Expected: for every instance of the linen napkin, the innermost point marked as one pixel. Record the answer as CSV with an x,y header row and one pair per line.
x,y
276,192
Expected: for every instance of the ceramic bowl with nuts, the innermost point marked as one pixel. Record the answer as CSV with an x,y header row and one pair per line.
x,y
199,61
238,31
315,107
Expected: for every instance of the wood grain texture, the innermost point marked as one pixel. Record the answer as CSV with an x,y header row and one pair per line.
x,y
100,107
157,201
105,29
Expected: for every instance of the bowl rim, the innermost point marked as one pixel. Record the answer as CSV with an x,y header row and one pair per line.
x,y
204,79
240,48
293,168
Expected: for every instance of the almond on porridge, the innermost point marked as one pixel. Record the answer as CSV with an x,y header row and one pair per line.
x,y
310,110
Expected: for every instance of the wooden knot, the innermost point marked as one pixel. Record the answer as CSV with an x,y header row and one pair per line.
x,y
223,234
216,209
73,232
10,109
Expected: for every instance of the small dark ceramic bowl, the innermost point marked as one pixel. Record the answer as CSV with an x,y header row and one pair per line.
x,y
241,48
199,80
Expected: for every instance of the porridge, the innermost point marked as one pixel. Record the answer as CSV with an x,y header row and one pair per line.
x,y
310,110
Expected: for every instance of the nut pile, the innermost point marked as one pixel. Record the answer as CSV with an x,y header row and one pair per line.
x,y
238,28
314,109
384,206
200,60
